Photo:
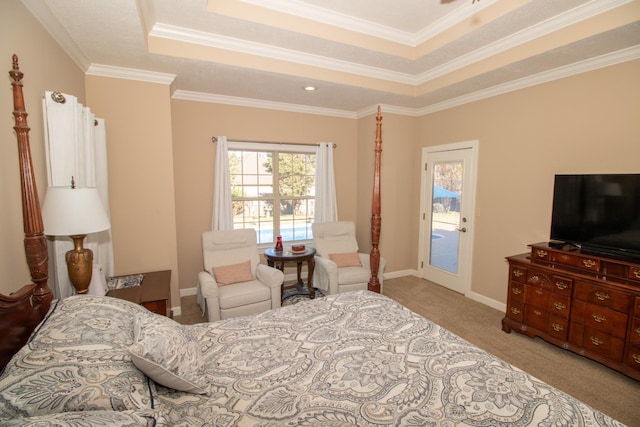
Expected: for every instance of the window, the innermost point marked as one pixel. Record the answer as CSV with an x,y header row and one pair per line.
x,y
273,190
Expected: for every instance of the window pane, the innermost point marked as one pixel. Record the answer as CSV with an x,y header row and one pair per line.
x,y
274,199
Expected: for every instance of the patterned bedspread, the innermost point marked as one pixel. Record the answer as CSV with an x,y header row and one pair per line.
x,y
354,359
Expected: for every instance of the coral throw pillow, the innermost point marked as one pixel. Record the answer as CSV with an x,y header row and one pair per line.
x,y
234,273
350,259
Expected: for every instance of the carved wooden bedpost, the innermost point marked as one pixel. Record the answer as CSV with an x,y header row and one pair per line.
x,y
374,283
35,243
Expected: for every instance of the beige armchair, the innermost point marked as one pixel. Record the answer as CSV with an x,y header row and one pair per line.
x,y
349,270
234,282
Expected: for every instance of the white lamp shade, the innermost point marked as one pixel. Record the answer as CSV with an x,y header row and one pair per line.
x,y
69,211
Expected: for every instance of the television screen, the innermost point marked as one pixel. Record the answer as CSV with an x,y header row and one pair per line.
x,y
600,213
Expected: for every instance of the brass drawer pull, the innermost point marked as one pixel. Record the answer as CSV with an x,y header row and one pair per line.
x,y
588,263
561,285
541,253
539,291
565,258
516,291
599,317
596,341
559,306
515,310
637,330
537,312
636,357
556,327
602,296
518,273
636,273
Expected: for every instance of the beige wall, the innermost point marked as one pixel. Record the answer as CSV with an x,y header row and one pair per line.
x,y
141,179
46,67
400,185
194,123
161,160
587,123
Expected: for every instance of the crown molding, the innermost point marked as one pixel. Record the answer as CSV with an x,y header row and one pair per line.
x,y
170,32
603,61
549,26
130,74
258,103
587,65
351,23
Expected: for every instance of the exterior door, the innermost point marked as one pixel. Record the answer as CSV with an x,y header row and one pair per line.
x,y
447,220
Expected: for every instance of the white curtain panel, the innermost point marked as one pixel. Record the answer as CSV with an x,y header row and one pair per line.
x,y
75,146
326,207
222,216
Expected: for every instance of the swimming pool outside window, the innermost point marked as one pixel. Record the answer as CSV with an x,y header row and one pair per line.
x,y
273,191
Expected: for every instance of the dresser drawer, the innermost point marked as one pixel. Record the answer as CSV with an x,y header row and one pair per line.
x,y
515,311
633,357
517,291
559,305
536,317
605,297
558,327
518,273
636,309
541,254
564,258
634,333
600,318
596,341
562,285
588,263
537,296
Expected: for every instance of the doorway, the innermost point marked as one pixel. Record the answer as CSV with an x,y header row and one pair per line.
x,y
448,213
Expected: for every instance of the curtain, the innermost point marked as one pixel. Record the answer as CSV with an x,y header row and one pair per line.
x,y
75,146
326,208
222,217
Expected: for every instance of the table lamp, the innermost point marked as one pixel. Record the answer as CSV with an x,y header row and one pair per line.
x,y
75,212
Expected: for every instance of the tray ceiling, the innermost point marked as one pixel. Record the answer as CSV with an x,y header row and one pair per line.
x,y
412,56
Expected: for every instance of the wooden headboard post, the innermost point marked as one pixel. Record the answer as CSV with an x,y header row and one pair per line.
x,y
21,311
35,242
376,220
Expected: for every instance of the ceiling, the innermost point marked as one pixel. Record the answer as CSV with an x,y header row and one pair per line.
x,y
411,56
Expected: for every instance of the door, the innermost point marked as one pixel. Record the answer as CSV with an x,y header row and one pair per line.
x,y
448,206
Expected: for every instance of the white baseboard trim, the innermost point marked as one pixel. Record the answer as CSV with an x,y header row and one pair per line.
x,y
487,301
187,292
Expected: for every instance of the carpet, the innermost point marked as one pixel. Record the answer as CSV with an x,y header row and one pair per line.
x,y
294,295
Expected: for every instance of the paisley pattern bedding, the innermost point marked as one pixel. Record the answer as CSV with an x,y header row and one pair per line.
x,y
354,359
361,359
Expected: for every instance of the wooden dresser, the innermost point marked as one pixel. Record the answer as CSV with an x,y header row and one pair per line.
x,y
589,304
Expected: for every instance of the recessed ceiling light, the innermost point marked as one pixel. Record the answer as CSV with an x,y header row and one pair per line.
x,y
309,88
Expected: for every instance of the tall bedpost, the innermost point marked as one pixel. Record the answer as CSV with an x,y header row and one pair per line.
x,y
35,243
374,283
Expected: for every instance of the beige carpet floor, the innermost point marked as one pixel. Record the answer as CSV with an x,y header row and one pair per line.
x,y
596,385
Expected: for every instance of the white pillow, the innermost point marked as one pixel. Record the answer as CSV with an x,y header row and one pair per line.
x,y
168,353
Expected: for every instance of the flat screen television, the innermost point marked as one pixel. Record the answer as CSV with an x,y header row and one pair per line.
x,y
599,213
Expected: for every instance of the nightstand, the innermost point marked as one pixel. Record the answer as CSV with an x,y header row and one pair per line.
x,y
153,293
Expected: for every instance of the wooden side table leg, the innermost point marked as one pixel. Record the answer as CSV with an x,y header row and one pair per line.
x,y
300,282
311,264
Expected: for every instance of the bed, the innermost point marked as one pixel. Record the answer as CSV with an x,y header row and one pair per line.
x,y
349,359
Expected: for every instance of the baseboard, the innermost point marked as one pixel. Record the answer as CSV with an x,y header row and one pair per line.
x,y
487,301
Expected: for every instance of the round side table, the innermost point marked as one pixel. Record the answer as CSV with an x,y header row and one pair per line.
x,y
280,258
